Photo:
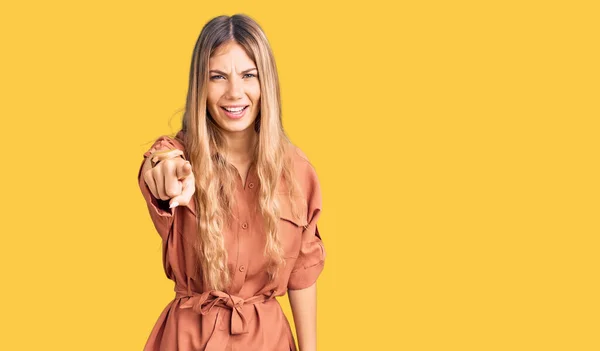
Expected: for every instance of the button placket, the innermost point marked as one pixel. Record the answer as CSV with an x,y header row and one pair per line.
x,y
247,195
242,263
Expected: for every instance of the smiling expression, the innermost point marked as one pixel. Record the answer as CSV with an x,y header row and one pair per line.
x,y
233,84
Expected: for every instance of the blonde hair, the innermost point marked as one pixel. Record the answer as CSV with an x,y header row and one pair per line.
x,y
204,143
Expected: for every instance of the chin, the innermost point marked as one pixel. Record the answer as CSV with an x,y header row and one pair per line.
x,y
233,127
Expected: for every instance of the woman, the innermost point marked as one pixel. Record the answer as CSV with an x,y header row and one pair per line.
x,y
236,205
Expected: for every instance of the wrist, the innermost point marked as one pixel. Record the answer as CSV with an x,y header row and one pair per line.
x,y
154,163
162,155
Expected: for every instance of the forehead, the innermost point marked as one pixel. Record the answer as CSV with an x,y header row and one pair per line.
x,y
229,54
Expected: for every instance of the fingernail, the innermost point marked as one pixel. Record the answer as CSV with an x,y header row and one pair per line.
x,y
174,204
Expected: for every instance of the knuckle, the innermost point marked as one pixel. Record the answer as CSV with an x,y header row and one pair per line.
x,y
170,193
171,189
170,166
169,162
165,197
148,176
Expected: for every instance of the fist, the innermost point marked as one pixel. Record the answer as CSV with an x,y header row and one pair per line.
x,y
171,179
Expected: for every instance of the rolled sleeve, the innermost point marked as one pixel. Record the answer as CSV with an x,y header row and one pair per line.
x,y
310,262
162,216
311,258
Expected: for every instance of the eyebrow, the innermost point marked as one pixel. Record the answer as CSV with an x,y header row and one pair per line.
x,y
223,73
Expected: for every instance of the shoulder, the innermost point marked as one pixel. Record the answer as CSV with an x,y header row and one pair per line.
x,y
300,160
304,171
299,154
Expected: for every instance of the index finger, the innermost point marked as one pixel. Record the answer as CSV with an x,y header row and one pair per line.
x,y
183,170
189,188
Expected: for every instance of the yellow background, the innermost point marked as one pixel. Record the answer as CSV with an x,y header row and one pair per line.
x,y
456,143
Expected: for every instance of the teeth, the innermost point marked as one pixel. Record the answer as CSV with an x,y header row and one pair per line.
x,y
235,109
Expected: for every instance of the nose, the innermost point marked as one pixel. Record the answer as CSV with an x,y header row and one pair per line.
x,y
235,89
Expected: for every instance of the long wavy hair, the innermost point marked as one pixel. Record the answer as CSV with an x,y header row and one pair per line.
x,y
205,146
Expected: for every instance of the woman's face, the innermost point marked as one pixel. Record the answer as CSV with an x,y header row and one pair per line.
x,y
233,83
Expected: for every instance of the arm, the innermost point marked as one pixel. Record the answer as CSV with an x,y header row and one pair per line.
x,y
160,213
302,283
304,310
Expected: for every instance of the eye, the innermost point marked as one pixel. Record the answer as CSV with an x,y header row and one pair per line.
x,y
213,77
250,74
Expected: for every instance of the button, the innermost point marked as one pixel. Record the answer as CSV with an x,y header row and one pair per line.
x,y
244,225
251,185
242,268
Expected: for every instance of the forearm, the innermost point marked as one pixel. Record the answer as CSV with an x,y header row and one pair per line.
x,y
304,309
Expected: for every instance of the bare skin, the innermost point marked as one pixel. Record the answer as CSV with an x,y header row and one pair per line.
x,y
234,81
171,179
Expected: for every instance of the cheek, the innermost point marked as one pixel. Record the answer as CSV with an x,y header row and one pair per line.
x,y
213,94
211,98
254,91
211,104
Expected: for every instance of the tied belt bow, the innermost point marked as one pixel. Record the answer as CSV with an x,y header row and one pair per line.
x,y
205,302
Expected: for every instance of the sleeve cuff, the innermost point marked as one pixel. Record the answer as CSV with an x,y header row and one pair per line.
x,y
305,277
306,273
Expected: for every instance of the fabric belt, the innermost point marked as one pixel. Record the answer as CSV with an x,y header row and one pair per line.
x,y
205,302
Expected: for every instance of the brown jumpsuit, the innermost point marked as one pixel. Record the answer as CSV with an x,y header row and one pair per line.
x,y
246,316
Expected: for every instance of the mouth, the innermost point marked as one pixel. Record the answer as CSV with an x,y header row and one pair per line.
x,y
235,112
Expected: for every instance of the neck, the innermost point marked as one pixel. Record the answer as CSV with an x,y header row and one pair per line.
x,y
240,147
